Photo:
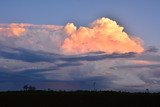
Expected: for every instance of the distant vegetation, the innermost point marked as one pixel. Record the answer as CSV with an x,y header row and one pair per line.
x,y
40,98
30,97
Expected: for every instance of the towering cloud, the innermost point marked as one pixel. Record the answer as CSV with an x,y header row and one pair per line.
x,y
70,28
102,35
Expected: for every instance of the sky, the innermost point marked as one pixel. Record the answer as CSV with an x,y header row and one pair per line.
x,y
138,17
69,44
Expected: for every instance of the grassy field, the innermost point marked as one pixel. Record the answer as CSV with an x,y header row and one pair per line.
x,y
78,99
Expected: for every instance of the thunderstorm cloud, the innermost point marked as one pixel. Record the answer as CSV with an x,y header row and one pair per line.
x,y
73,58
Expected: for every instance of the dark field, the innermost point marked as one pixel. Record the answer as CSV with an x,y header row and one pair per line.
x,y
78,99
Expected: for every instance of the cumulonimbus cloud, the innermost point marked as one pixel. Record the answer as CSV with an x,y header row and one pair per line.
x,y
38,49
102,35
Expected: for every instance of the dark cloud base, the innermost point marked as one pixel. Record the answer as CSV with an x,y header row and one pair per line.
x,y
72,65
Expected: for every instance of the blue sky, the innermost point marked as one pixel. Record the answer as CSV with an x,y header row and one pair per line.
x,y
35,57
139,17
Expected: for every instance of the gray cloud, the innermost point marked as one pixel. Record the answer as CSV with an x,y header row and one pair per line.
x,y
152,49
151,66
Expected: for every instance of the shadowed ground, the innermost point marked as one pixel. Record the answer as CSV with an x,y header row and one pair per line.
x,y
78,99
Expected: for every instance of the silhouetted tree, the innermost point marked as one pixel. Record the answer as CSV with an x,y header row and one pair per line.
x,y
29,88
147,90
94,86
25,88
49,89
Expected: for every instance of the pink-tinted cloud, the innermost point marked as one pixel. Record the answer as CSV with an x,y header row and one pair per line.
x,y
141,62
18,29
13,29
103,35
